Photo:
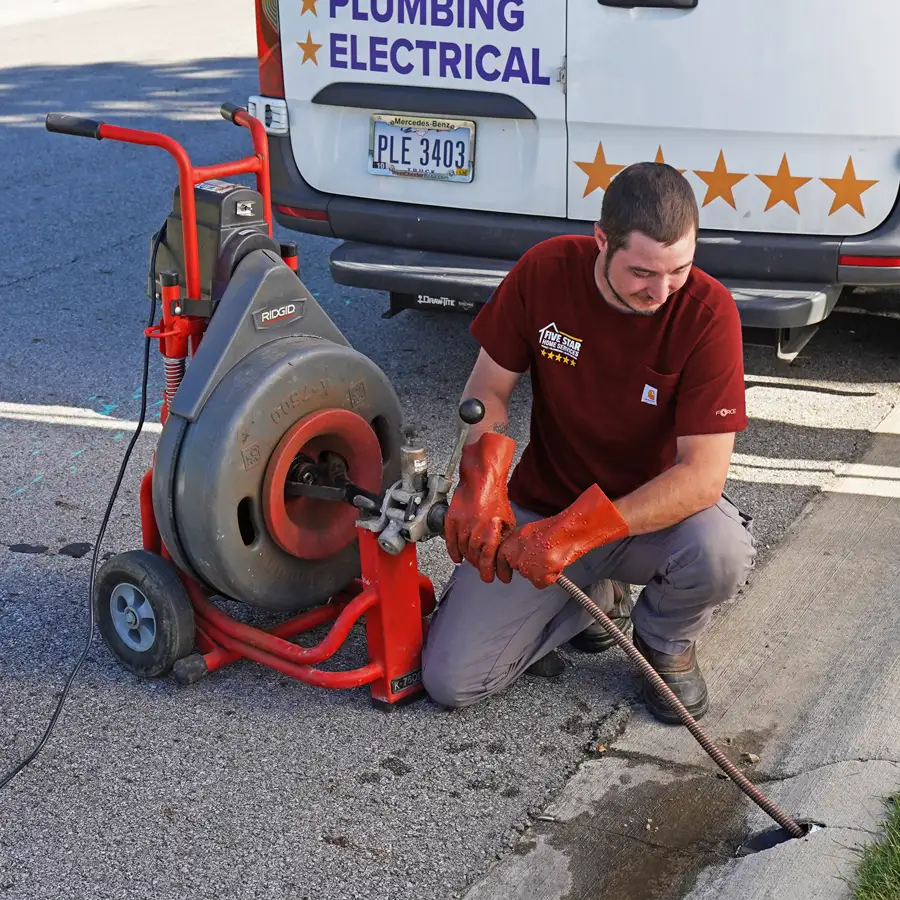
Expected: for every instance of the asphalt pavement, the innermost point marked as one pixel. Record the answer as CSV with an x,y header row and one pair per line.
x,y
250,784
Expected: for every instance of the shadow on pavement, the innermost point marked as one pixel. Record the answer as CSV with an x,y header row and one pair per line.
x,y
124,91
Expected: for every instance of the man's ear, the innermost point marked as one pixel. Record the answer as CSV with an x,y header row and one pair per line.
x,y
600,237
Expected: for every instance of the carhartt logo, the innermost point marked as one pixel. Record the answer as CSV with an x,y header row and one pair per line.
x,y
725,412
558,346
649,395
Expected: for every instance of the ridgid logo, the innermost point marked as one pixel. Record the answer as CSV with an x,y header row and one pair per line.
x,y
558,346
274,316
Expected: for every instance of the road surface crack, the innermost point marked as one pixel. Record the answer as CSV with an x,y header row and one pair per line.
x,y
101,251
758,778
763,778
666,765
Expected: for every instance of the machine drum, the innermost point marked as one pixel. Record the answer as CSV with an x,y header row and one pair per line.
x,y
289,400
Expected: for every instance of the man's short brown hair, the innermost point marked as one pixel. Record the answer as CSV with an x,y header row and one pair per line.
x,y
652,198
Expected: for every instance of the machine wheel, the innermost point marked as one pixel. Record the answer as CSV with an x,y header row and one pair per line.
x,y
144,613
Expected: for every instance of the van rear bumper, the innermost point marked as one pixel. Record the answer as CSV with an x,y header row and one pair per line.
x,y
426,279
425,248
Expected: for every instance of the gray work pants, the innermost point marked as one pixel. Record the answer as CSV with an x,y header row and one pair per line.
x,y
483,636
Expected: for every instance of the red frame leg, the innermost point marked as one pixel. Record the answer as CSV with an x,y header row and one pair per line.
x,y
394,625
149,531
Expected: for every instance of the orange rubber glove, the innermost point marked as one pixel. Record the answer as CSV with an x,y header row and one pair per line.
x,y
480,516
541,550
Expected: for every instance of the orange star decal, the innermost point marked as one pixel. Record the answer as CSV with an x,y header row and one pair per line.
x,y
309,6
720,182
661,159
599,172
309,49
848,189
783,186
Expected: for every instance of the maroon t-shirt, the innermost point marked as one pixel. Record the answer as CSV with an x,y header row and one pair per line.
x,y
611,391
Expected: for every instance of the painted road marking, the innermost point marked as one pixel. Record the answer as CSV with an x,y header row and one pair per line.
x,y
891,423
80,417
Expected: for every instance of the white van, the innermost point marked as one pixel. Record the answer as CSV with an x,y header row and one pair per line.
x,y
440,139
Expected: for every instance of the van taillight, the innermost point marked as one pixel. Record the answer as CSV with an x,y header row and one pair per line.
x,y
319,215
268,45
878,262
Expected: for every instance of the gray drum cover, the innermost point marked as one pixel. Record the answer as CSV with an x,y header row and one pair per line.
x,y
164,459
222,459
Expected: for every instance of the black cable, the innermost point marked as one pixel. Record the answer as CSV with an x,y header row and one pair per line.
x,y
157,240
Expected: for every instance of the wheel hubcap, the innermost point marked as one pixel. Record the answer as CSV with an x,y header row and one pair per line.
x,y
133,617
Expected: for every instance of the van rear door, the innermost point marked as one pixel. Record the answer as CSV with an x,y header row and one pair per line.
x,y
781,113
456,103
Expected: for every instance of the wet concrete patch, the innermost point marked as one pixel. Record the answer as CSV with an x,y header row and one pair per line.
x,y
625,829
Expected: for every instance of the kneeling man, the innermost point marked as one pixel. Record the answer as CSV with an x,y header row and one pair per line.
x,y
637,378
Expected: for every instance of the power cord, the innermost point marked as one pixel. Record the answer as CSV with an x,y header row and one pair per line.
x,y
157,240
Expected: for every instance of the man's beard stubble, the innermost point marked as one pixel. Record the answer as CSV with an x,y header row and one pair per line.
x,y
620,298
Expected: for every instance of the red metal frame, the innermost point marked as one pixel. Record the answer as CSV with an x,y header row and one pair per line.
x,y
189,175
392,595
178,334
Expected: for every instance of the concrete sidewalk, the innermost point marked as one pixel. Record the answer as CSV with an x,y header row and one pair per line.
x,y
804,674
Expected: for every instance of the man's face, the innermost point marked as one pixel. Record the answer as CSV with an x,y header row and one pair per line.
x,y
644,274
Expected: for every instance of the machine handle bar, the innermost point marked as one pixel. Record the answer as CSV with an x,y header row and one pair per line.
x,y
188,175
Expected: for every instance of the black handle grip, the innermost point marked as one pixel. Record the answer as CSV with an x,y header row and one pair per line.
x,y
437,516
229,109
63,124
471,411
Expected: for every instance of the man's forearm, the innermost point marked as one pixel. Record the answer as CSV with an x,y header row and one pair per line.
x,y
669,498
496,417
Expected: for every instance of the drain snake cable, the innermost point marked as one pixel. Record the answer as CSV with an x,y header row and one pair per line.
x,y
697,730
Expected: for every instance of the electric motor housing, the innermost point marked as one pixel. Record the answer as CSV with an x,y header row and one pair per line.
x,y
230,224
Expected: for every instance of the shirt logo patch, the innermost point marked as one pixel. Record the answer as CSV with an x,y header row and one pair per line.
x,y
649,395
725,412
558,346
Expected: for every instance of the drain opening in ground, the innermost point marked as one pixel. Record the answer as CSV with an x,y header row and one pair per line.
x,y
772,837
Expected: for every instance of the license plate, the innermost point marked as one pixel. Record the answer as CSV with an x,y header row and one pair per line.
x,y
422,147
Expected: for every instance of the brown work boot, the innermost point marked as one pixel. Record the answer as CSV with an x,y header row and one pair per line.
x,y
683,676
594,638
